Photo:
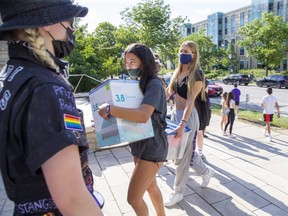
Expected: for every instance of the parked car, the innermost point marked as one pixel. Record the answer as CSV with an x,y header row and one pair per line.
x,y
277,81
214,89
237,78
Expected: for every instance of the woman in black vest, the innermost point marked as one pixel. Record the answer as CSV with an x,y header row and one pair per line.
x,y
43,144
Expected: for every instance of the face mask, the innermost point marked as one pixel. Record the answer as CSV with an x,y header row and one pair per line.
x,y
134,73
185,58
64,48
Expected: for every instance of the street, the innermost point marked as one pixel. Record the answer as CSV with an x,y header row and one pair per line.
x,y
255,95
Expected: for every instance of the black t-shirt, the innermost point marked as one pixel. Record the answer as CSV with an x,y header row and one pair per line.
x,y
156,148
42,120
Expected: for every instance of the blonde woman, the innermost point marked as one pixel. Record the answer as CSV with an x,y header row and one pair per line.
x,y
187,82
43,148
224,111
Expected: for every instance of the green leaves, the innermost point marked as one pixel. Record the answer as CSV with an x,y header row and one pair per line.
x,y
265,39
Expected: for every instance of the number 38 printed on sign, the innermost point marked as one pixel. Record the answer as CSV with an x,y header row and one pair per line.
x,y
120,98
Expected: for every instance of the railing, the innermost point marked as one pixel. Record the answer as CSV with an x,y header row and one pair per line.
x,y
81,77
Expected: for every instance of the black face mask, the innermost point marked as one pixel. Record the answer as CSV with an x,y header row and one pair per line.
x,y
64,48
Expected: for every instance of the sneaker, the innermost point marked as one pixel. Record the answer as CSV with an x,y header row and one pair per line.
x,y
232,136
173,199
225,133
206,177
269,138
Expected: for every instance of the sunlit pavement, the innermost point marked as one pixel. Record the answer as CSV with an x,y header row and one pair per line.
x,y
250,178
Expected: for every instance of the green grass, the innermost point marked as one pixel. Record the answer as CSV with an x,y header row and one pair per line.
x,y
255,117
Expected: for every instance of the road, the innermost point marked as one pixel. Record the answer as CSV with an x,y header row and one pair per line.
x,y
255,95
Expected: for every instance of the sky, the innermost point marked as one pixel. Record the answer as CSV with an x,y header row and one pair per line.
x,y
195,10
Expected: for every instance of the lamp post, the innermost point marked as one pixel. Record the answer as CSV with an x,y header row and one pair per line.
x,y
230,58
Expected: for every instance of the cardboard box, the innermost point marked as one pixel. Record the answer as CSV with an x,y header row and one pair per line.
x,y
115,131
176,146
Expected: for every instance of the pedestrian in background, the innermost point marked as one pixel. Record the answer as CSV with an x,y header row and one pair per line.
x,y
43,148
224,111
231,116
252,77
269,103
237,94
149,154
187,82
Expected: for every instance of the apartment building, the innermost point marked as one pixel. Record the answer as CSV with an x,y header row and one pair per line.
x,y
223,27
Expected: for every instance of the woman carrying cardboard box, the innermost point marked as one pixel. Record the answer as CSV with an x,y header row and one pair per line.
x,y
149,154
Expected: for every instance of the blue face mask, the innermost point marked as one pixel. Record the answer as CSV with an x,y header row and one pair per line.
x,y
134,73
185,58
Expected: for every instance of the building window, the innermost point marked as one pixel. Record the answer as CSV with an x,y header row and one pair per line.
x,y
270,7
242,64
249,16
285,64
242,51
232,24
242,18
280,8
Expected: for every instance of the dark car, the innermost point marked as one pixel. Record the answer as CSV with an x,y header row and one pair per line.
x,y
214,89
277,81
237,78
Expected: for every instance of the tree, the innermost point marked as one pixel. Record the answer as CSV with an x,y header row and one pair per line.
x,y
151,20
206,47
265,39
95,54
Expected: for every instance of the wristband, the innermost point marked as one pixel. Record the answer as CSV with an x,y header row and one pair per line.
x,y
108,111
183,120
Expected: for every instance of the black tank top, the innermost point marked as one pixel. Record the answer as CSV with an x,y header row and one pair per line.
x,y
182,88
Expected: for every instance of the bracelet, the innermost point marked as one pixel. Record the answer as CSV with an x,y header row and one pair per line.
x,y
183,124
183,120
108,111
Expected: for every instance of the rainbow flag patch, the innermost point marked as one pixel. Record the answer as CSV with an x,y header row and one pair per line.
x,y
72,122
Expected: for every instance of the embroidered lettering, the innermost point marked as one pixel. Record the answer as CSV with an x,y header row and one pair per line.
x,y
42,205
17,70
66,106
6,71
60,90
4,100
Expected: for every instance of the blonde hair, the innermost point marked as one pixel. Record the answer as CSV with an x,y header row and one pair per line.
x,y
193,67
37,45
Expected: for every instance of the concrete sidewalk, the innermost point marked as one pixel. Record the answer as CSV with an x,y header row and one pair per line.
x,y
251,177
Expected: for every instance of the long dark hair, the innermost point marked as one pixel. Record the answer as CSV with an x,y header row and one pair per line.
x,y
230,96
148,66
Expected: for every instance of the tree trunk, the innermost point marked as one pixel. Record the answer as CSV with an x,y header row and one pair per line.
x,y
266,68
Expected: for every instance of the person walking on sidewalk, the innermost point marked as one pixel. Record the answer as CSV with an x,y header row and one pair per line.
x,y
224,111
269,103
149,154
43,148
231,116
187,82
237,94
